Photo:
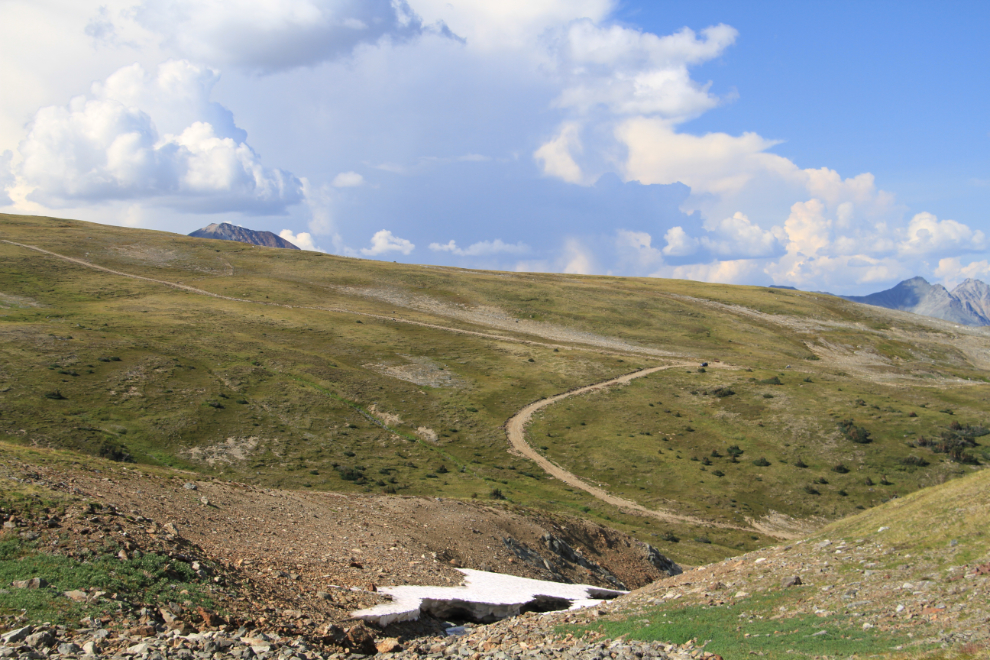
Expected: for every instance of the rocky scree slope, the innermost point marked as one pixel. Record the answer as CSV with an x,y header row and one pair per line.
x,y
289,565
911,575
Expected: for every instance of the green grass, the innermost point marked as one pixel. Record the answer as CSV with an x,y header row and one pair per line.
x,y
147,579
949,520
283,388
667,437
755,627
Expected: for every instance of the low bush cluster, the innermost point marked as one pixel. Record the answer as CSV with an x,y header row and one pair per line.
x,y
855,433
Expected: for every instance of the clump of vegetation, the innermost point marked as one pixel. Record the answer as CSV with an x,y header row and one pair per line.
x,y
146,579
800,464
669,537
720,392
841,469
855,433
496,494
770,381
955,441
355,474
54,395
811,490
115,452
761,462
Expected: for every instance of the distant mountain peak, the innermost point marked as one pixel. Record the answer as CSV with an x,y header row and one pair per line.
x,y
967,304
228,232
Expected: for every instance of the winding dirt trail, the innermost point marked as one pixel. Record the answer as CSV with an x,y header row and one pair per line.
x,y
516,426
515,429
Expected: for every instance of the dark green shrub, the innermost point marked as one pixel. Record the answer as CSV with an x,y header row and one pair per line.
x,y
855,433
761,462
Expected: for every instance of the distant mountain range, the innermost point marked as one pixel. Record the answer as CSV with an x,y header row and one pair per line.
x,y
967,304
228,232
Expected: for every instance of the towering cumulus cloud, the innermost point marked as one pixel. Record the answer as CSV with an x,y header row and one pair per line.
x,y
151,136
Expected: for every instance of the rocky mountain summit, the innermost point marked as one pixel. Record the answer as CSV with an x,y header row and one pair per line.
x,y
966,304
228,232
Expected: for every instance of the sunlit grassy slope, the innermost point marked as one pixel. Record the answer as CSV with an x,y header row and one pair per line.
x,y
294,384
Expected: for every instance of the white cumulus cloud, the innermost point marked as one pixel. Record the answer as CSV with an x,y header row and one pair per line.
x,y
481,248
270,35
926,234
508,24
738,236
107,146
348,180
557,154
679,244
384,242
730,271
636,251
952,271
631,72
303,240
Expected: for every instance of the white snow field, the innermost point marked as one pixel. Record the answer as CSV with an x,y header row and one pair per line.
x,y
484,597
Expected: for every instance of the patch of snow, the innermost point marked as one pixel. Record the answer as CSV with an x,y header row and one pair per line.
x,y
484,597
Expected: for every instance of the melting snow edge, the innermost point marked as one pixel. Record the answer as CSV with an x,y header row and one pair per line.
x,y
484,596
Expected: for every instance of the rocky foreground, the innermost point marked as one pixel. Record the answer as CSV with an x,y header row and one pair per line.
x,y
526,636
166,580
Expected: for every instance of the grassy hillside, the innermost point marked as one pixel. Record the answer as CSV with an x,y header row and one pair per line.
x,y
304,370
907,580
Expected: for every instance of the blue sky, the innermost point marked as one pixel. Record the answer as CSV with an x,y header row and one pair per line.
x,y
833,146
